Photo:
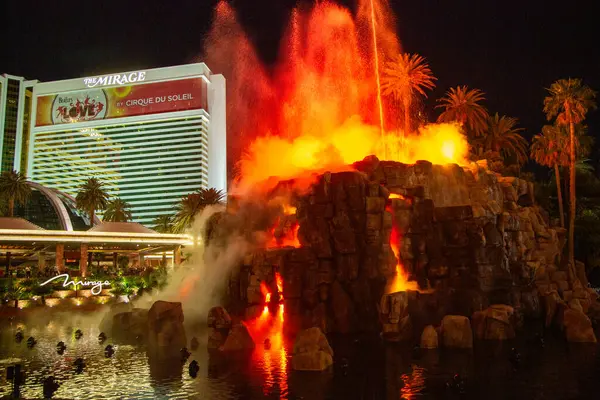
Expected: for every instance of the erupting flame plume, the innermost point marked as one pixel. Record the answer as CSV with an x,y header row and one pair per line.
x,y
319,107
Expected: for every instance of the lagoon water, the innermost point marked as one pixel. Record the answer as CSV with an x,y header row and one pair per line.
x,y
365,368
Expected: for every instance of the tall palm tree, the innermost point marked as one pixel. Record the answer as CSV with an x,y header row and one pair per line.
x,y
548,149
569,101
118,210
404,77
91,197
163,224
192,204
463,105
503,137
14,188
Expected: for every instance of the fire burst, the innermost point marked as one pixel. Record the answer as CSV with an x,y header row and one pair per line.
x,y
317,109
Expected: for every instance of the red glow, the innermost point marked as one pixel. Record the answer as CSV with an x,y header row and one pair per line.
x,y
400,283
317,109
279,282
288,239
264,289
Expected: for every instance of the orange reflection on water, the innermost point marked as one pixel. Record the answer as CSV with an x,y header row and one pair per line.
x,y
274,359
414,384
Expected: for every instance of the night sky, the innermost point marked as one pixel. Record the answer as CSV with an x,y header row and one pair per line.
x,y
509,49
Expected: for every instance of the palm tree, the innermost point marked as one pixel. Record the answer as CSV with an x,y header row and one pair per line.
x,y
503,137
163,224
118,210
192,204
403,78
15,188
463,105
548,149
91,197
569,101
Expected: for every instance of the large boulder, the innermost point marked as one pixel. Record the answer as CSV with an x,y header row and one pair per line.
x,y
166,335
497,322
117,308
429,338
311,351
130,326
216,339
218,318
456,332
578,327
238,339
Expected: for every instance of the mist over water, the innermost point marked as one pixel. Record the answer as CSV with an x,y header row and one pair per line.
x,y
200,281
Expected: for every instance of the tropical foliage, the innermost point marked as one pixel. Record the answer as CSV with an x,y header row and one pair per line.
x,y
463,105
14,189
117,210
568,101
92,196
504,138
403,78
192,204
163,224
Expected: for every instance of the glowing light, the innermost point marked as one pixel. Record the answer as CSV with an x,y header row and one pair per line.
x,y
396,196
400,282
289,210
96,285
265,292
288,239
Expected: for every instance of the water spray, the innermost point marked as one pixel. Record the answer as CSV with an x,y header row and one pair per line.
x,y
379,102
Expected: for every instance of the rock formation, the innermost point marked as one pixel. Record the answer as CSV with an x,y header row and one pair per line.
x,y
470,238
131,326
311,351
166,334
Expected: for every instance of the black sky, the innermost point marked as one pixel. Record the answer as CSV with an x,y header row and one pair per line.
x,y
510,49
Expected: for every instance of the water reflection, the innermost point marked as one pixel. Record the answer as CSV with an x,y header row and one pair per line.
x,y
365,368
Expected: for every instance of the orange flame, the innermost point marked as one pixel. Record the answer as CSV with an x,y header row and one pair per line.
x,y
264,289
289,239
400,283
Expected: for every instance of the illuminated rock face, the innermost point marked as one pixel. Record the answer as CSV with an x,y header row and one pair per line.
x,y
166,334
469,237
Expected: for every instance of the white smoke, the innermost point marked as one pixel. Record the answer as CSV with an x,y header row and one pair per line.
x,y
200,282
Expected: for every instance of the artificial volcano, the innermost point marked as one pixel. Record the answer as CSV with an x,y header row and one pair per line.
x,y
452,239
373,219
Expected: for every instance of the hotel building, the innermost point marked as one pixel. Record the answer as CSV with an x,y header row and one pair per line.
x,y
152,136
15,112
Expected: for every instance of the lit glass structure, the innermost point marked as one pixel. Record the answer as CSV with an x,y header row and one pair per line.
x,y
151,136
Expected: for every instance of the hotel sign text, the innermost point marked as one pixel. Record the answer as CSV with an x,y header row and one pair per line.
x,y
118,79
96,285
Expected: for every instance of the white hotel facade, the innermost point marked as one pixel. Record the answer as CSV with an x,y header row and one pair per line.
x,y
152,136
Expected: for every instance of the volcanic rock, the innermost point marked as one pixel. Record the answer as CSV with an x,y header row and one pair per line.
x,y
578,327
128,326
456,332
238,339
107,320
497,322
166,334
429,338
311,351
218,318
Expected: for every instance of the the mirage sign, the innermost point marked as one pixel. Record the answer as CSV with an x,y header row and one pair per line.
x,y
118,79
121,101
